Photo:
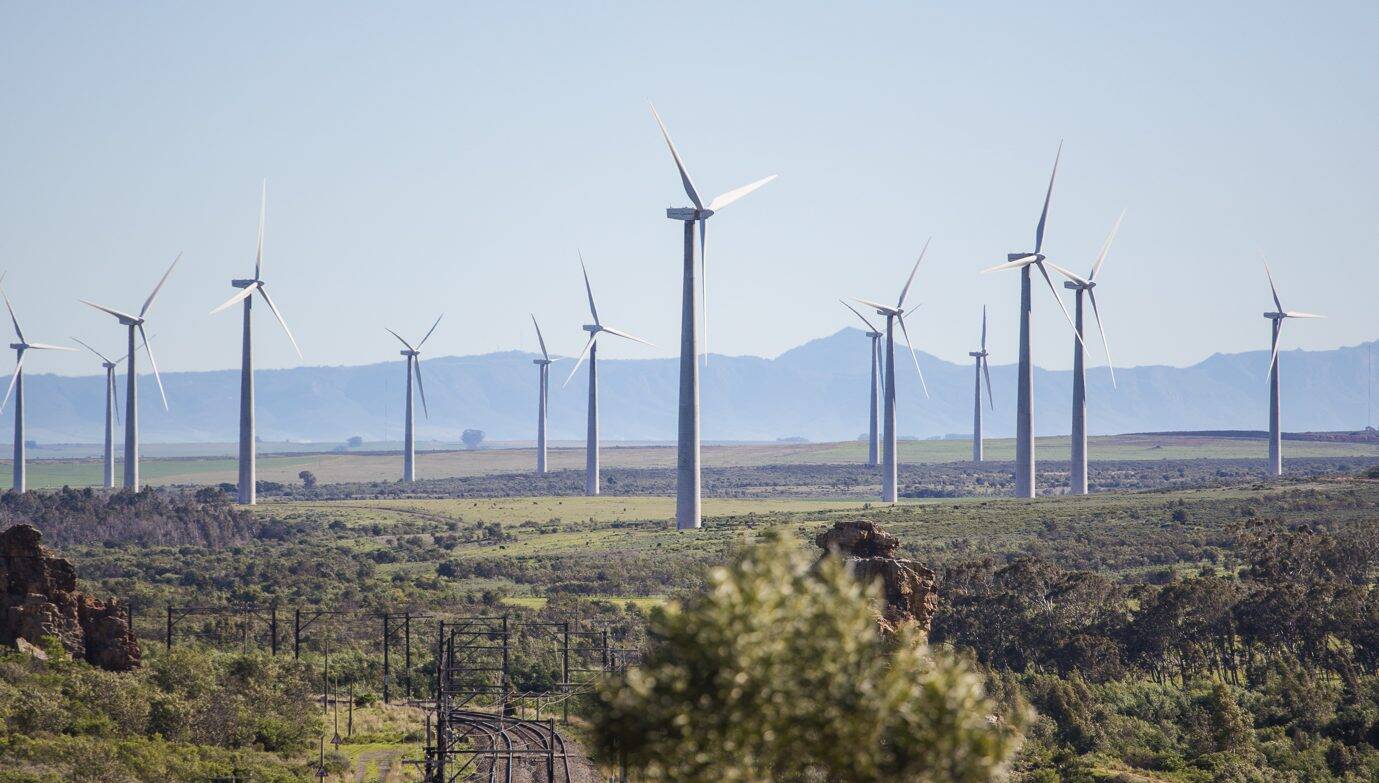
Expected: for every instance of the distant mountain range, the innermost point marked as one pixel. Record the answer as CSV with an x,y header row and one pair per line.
x,y
817,391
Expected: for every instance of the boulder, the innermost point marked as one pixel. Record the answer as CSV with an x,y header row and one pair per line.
x,y
39,597
909,590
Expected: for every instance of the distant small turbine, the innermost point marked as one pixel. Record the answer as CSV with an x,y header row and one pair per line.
x,y
889,486
248,473
112,410
1078,473
687,467
591,444
544,363
983,368
131,418
873,440
1024,398
1276,319
17,389
409,459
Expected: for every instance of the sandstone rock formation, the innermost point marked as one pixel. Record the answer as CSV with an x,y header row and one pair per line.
x,y
39,597
909,589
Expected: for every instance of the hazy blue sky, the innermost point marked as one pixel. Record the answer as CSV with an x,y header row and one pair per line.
x,y
452,156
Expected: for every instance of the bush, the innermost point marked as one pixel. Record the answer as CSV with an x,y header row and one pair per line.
x,y
779,672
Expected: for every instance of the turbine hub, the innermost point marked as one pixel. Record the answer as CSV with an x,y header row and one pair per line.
x,y
592,328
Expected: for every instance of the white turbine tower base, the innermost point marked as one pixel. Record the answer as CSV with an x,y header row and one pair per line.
x,y
591,443
688,512
133,324
248,471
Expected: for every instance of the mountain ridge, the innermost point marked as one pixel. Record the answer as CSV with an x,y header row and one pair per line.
x,y
818,390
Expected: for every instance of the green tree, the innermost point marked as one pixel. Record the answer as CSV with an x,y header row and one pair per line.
x,y
308,479
778,672
472,438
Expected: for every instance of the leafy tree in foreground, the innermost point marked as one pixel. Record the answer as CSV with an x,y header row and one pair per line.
x,y
777,672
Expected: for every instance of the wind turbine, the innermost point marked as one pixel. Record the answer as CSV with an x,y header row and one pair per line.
x,y
248,475
687,474
112,413
591,349
409,459
1078,473
1276,319
1024,405
873,445
983,368
544,364
17,389
889,493
131,418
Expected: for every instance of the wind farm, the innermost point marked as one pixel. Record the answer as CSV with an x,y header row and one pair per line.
x,y
702,526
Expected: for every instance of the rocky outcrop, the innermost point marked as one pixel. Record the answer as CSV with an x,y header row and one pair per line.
x,y
39,597
909,590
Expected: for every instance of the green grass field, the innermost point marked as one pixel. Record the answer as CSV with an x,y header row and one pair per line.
x,y
336,467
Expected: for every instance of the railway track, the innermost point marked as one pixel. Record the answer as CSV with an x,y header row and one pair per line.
x,y
510,746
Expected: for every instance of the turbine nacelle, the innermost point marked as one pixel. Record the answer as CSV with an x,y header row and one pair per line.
x,y
592,328
409,353
541,362
1075,285
245,283
688,213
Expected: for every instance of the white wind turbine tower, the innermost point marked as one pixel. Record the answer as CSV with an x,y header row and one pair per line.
x,y
413,354
248,474
889,488
591,349
17,389
544,363
687,474
112,413
1078,472
1024,410
131,418
873,441
1276,319
983,368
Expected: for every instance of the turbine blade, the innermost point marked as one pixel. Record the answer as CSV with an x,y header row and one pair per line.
x,y
1061,306
983,328
1106,247
704,283
1018,263
883,308
679,164
859,315
429,331
263,214
1296,314
19,365
17,331
1091,294
149,301
244,293
92,350
911,346
986,370
725,199
399,338
104,309
1048,196
115,390
1273,358
900,303
47,347
623,334
1272,289
263,289
588,289
416,368
539,338
1066,273
154,364
580,360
